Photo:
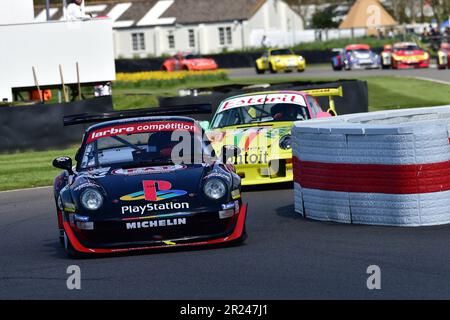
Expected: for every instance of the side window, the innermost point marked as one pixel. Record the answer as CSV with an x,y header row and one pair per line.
x,y
315,107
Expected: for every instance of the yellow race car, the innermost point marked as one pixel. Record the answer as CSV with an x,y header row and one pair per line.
x,y
259,124
276,60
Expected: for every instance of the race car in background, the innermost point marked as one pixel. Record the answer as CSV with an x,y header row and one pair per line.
x,y
405,55
386,56
259,124
355,56
188,62
443,56
275,60
127,192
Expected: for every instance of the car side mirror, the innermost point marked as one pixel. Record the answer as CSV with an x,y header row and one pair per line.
x,y
64,163
229,152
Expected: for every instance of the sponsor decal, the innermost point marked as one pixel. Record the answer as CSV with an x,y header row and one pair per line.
x,y
141,127
217,175
96,173
154,190
160,216
151,207
262,99
147,170
86,185
155,224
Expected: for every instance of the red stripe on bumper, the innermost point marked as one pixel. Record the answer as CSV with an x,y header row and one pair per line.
x,y
373,178
237,233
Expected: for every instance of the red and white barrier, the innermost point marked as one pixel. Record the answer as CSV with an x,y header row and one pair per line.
x,y
381,168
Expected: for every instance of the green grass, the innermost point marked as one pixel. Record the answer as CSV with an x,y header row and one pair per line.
x,y
400,92
33,169
29,169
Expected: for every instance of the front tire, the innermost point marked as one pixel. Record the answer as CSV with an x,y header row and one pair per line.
x,y
69,249
272,69
258,70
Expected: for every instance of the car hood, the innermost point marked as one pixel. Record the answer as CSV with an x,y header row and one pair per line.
x,y
201,61
286,57
409,52
253,139
124,188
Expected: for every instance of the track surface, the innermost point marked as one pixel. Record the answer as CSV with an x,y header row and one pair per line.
x,y
326,72
285,257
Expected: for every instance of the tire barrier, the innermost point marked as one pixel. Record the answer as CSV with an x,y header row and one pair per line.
x,y
40,126
380,168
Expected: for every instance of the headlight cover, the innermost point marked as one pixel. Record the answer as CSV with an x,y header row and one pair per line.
x,y
215,188
91,199
286,142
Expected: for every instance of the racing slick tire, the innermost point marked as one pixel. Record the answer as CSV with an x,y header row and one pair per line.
x,y
300,70
70,250
258,70
272,68
336,68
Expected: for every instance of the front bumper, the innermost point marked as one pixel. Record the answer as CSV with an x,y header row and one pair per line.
x,y
285,65
256,174
84,244
407,64
366,66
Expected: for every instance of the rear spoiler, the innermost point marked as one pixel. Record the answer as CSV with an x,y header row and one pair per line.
x,y
181,110
327,92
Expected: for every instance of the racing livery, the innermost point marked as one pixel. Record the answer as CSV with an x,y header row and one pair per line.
x,y
355,56
405,55
443,56
188,62
276,60
131,191
259,124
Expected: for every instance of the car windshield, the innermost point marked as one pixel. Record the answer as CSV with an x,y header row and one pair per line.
x,y
281,52
144,143
359,51
276,108
407,47
192,56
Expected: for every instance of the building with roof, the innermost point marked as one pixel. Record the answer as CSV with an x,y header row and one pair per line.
x,y
156,27
368,14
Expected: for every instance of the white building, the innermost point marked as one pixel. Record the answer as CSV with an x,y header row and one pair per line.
x,y
46,53
155,27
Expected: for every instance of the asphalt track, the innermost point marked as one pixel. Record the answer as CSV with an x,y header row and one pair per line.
x,y
285,257
324,71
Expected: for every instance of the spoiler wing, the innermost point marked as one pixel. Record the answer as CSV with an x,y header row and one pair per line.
x,y
136,113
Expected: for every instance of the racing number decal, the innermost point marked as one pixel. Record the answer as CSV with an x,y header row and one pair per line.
x,y
151,187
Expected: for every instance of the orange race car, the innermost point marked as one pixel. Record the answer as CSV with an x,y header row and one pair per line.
x,y
188,62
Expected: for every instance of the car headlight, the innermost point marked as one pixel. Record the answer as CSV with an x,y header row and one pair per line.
x,y
91,199
215,188
286,142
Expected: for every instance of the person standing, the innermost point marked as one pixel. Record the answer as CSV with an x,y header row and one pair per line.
x,y
75,11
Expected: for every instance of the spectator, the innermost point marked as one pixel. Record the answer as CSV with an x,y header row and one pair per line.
x,y
265,43
75,11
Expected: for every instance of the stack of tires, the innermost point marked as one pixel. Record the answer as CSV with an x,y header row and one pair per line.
x,y
383,168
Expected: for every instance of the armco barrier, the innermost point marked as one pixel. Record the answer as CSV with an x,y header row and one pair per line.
x,y
381,168
40,127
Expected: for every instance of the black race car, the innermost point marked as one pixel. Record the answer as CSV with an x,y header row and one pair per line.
x,y
147,183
